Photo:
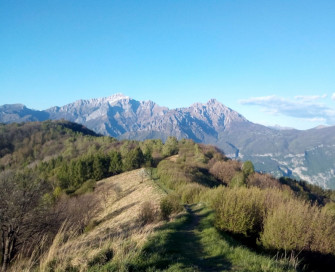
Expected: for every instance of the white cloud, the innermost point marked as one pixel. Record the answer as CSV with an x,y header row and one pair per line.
x,y
333,96
304,107
309,98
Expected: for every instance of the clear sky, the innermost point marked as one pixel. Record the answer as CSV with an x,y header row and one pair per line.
x,y
272,61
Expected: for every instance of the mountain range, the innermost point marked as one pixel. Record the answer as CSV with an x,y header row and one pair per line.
x,y
302,154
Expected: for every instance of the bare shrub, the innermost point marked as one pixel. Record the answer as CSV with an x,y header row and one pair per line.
x,y
225,170
147,213
78,211
107,193
262,181
22,214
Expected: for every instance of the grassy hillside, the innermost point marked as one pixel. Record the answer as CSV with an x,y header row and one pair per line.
x,y
76,201
115,233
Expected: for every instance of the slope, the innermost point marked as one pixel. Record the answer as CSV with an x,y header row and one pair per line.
x,y
116,228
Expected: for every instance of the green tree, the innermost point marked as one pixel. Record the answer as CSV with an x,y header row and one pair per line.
x,y
248,168
170,147
148,158
134,159
101,165
115,166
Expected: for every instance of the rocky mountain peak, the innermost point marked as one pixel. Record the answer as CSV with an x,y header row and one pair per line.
x,y
115,98
282,152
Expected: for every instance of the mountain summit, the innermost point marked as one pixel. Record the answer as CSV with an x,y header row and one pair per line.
x,y
309,155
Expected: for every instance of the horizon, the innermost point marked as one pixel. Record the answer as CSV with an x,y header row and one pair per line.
x,y
272,62
123,96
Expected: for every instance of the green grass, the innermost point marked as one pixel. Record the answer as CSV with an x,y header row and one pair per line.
x,y
191,243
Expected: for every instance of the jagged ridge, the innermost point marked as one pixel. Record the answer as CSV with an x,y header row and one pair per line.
x,y
289,152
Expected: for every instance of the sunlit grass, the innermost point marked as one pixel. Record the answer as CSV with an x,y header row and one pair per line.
x,y
191,243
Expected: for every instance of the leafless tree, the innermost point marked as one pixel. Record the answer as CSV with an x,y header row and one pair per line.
x,y
21,213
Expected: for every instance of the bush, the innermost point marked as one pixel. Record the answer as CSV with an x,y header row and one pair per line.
x,y
87,187
298,226
168,205
248,168
172,174
262,181
286,228
225,170
170,147
240,211
238,180
147,213
190,193
212,197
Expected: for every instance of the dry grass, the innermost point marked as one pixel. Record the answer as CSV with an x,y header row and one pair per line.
x,y
173,158
117,224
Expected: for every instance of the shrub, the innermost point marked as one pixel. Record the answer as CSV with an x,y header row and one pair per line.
x,y
240,211
170,147
87,187
172,174
296,226
262,181
238,180
286,227
213,196
323,228
190,193
147,213
169,205
78,211
248,168
225,170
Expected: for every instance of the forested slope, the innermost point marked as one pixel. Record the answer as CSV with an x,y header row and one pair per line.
x,y
65,189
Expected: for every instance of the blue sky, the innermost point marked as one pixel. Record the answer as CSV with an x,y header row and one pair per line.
x,y
272,61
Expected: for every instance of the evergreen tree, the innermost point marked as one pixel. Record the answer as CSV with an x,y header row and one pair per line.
x,y
134,159
115,165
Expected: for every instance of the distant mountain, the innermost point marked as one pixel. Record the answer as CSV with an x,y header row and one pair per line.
x,y
309,154
19,113
277,127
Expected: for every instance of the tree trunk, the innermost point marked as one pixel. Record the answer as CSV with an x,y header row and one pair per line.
x,y
8,240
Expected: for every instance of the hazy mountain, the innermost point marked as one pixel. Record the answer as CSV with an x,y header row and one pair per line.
x,y
308,154
20,113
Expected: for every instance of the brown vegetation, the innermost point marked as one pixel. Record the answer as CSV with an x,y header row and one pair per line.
x,y
263,181
225,170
